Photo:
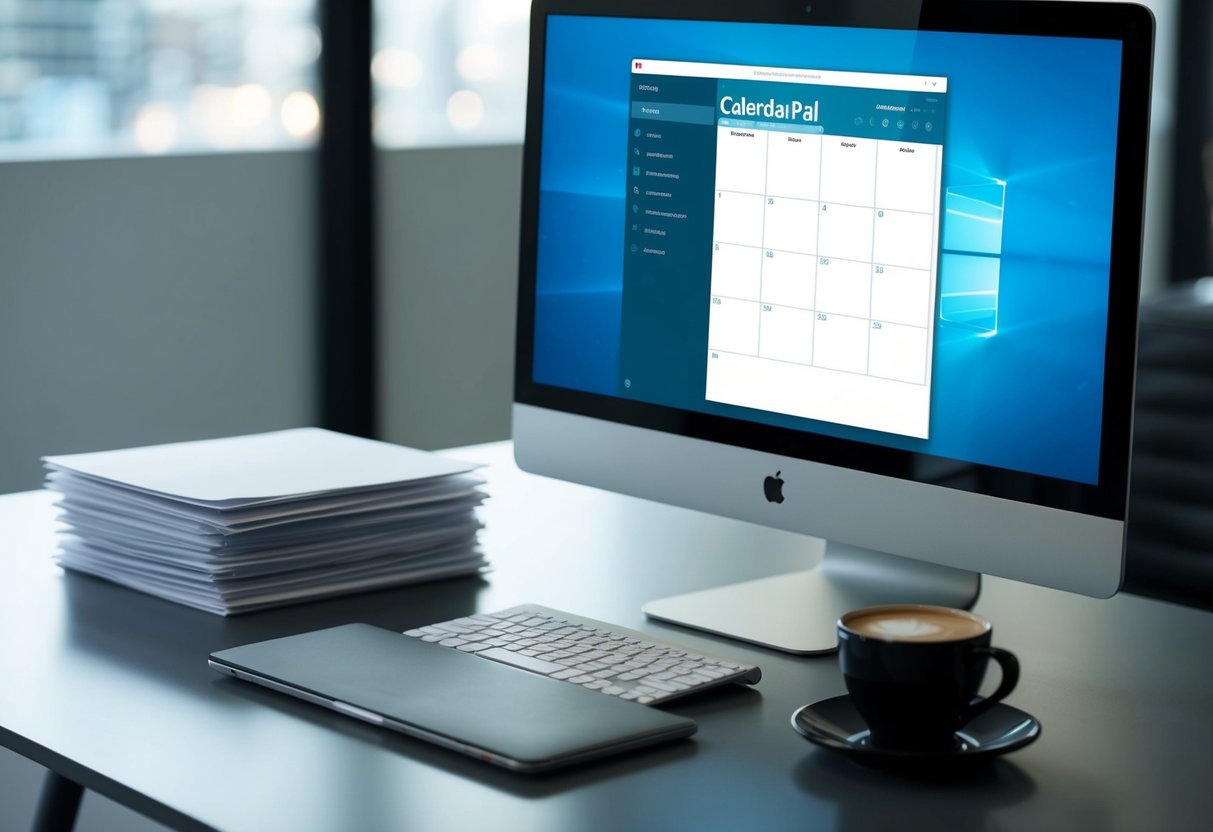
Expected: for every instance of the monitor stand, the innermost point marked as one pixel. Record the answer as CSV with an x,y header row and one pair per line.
x,y
797,612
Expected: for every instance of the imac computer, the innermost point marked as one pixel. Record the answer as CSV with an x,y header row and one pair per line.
x,y
859,269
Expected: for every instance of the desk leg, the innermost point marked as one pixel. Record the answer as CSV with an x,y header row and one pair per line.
x,y
58,804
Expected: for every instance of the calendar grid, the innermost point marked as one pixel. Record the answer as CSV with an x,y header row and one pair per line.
x,y
828,316
822,257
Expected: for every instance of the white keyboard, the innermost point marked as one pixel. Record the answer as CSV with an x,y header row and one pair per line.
x,y
581,651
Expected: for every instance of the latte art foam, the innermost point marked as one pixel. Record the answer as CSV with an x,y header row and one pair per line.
x,y
911,623
905,628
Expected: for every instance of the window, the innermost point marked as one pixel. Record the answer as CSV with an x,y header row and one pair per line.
x,y
105,77
449,73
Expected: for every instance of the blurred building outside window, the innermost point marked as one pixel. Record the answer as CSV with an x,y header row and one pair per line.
x,y
120,77
82,78
85,78
450,72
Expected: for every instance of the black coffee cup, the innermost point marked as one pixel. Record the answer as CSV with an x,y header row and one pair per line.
x,y
913,671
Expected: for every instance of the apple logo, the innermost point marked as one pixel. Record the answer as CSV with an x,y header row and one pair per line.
x,y
772,487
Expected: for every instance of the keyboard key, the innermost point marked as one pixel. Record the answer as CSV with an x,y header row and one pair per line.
x,y
661,685
472,647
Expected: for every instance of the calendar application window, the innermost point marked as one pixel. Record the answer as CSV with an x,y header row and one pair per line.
x,y
800,209
824,251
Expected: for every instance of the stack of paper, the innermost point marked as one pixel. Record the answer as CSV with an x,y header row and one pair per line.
x,y
241,524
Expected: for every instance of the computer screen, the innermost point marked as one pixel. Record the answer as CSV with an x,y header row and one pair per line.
x,y
856,269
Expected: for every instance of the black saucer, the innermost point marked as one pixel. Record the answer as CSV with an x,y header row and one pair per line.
x,y
835,724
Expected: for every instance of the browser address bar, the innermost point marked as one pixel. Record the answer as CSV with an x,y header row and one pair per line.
x,y
792,75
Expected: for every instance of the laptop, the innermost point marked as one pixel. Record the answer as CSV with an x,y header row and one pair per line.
x,y
484,709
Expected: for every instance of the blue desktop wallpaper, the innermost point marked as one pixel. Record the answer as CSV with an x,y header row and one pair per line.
x,y
1037,114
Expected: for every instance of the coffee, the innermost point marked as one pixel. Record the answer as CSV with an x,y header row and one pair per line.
x,y
915,622
913,671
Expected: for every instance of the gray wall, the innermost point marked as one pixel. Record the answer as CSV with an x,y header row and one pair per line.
x,y
449,276
162,299
151,300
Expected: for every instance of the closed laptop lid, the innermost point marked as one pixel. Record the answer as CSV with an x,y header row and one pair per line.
x,y
452,698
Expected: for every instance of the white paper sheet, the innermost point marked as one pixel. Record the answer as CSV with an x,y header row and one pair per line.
x,y
262,468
